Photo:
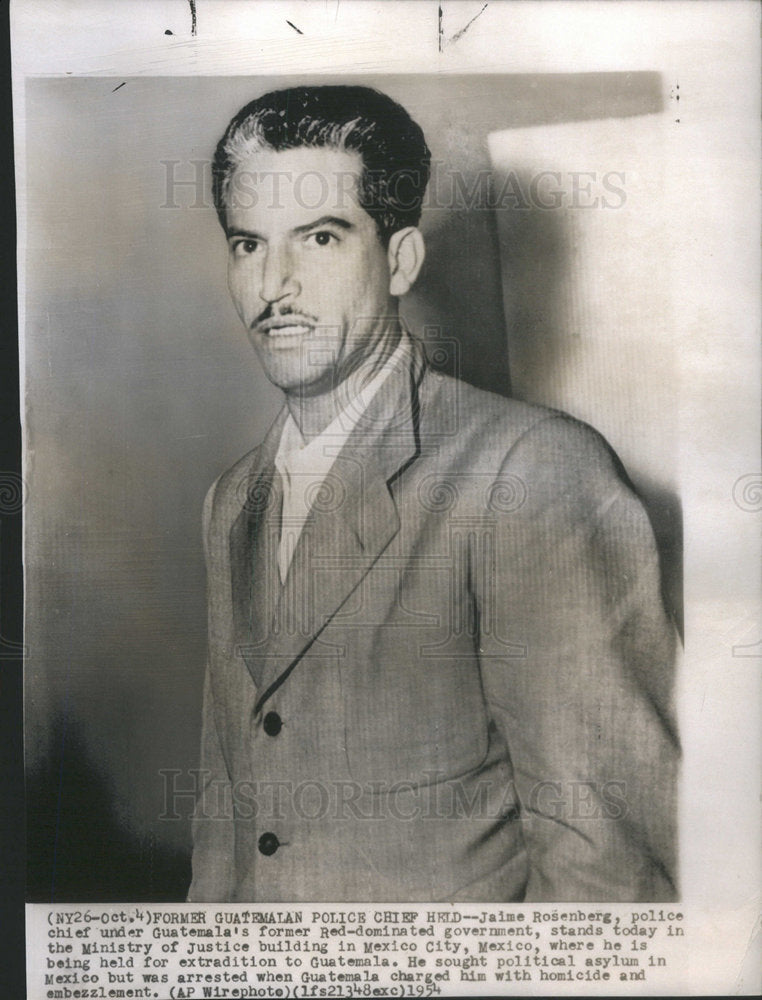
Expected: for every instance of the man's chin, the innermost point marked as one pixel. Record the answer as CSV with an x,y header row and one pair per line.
x,y
297,384
311,390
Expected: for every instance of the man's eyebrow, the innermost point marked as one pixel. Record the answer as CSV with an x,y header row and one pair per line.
x,y
324,220
246,234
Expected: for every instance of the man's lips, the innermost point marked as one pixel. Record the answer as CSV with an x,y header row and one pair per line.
x,y
293,325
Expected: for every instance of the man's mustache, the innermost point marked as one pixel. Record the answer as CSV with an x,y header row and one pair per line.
x,y
269,313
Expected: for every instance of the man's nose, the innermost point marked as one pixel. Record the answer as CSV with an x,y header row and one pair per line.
x,y
278,278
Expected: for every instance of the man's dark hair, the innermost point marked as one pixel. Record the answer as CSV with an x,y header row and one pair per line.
x,y
396,160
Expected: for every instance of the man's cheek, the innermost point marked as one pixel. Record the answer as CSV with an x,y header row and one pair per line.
x,y
242,293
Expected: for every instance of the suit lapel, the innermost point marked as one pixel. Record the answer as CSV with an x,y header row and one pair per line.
x,y
253,544
353,519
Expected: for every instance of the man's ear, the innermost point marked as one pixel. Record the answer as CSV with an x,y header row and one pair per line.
x,y
405,254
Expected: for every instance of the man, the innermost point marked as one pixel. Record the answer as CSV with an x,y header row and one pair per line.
x,y
439,666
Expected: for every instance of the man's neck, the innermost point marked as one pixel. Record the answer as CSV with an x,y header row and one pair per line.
x,y
313,413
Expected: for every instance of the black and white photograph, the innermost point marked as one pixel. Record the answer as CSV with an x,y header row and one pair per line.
x,y
390,467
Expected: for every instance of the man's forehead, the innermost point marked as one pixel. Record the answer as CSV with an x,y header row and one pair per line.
x,y
313,178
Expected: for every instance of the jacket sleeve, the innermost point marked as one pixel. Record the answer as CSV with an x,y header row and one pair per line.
x,y
212,825
577,655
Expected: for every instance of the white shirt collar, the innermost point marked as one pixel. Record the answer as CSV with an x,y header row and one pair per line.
x,y
304,467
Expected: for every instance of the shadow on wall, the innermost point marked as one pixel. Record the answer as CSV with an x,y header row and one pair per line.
x,y
459,298
78,850
537,252
666,515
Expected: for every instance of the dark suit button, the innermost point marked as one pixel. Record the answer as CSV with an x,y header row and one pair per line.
x,y
272,723
268,844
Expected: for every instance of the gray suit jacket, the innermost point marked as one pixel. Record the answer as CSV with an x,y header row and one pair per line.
x,y
462,692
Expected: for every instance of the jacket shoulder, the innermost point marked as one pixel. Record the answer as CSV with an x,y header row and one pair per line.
x,y
227,494
465,405
488,421
554,451
232,478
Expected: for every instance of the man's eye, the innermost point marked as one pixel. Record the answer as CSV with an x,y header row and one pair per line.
x,y
322,238
244,248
